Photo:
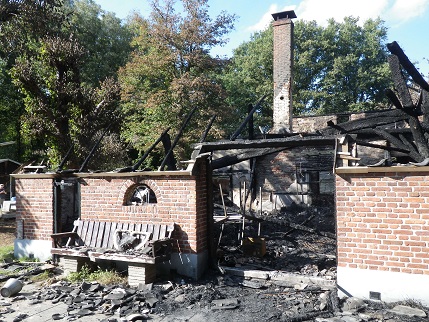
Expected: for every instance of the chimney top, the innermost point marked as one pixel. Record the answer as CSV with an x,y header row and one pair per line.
x,y
284,15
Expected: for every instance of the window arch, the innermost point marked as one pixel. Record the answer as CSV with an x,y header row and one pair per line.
x,y
141,195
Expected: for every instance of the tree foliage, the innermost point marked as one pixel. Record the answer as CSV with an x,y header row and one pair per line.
x,y
65,71
171,71
338,68
341,67
249,76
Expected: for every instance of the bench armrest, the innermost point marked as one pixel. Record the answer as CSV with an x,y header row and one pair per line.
x,y
56,238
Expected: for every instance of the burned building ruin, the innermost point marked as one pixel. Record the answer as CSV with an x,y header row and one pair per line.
x,y
358,165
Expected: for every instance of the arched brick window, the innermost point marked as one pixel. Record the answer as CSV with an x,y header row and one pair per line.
x,y
140,195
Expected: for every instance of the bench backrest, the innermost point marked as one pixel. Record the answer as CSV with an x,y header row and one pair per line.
x,y
102,234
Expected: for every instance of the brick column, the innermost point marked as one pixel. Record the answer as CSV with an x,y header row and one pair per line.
x,y
282,71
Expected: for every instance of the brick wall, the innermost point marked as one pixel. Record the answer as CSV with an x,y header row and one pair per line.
x,y
34,207
383,221
178,201
278,171
181,199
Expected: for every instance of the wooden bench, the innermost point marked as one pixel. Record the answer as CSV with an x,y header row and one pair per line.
x,y
140,245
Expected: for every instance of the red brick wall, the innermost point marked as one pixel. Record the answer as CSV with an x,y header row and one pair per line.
x,y
34,206
383,221
181,199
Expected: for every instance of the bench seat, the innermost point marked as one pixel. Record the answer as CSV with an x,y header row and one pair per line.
x,y
138,244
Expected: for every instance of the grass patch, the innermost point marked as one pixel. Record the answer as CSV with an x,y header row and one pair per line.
x,y
104,277
46,277
6,253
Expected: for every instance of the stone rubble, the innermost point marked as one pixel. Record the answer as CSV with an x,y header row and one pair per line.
x,y
263,298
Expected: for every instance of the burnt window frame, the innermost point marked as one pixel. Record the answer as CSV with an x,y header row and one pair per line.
x,y
138,194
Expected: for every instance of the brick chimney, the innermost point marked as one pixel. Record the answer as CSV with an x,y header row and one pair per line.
x,y
282,71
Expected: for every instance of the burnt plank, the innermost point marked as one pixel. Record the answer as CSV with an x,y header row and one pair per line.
x,y
393,98
293,141
425,105
169,159
236,157
396,50
369,122
398,143
399,82
419,137
409,145
209,126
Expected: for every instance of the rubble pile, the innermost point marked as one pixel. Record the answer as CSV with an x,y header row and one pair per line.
x,y
217,297
310,251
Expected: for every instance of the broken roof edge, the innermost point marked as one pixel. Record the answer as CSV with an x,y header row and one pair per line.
x,y
53,175
293,141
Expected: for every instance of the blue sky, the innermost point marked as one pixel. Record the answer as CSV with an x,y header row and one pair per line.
x,y
407,20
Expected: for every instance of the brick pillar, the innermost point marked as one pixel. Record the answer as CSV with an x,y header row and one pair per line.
x,y
139,273
282,71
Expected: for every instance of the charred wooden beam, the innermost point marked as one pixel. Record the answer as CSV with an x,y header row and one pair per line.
x,y
393,98
398,143
244,155
209,126
176,139
66,157
396,50
376,119
289,142
169,159
94,148
379,146
407,143
146,154
399,82
419,137
408,105
249,116
424,106
337,127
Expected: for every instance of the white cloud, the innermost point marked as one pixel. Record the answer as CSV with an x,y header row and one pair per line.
x,y
394,12
266,19
404,10
338,9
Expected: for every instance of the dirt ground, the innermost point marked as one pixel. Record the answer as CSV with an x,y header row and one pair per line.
x,y
7,231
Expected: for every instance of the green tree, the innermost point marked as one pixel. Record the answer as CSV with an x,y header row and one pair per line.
x,y
11,109
248,77
347,70
66,72
338,68
171,71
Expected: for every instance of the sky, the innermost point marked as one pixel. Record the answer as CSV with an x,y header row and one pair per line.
x,y
407,20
